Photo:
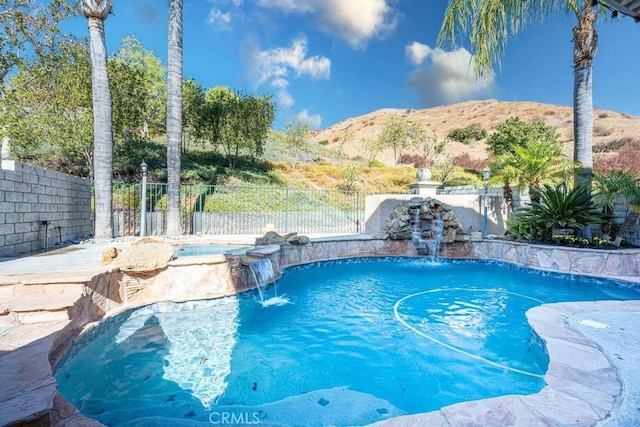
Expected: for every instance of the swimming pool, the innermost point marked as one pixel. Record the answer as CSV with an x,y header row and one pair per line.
x,y
214,249
363,340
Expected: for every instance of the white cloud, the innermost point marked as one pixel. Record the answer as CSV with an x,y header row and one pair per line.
x,y
280,83
277,63
276,66
417,52
448,77
355,21
313,120
219,20
288,5
283,97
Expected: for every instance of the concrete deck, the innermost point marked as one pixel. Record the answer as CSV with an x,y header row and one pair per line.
x,y
593,375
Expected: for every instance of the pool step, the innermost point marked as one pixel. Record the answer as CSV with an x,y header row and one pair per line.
x,y
39,298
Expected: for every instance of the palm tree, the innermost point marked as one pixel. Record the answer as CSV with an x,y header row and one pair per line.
x,y
96,11
174,117
491,23
609,189
529,165
631,194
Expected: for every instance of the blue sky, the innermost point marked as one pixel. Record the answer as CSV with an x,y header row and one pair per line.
x,y
327,60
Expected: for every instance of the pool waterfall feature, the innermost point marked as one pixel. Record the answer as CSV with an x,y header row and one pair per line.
x,y
427,241
206,277
261,270
428,223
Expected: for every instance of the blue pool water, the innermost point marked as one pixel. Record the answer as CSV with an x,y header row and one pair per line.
x,y
193,250
361,341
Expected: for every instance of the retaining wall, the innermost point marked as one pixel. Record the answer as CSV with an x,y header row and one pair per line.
x,y
40,208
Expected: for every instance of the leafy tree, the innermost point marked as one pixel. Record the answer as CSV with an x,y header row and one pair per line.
x,y
192,109
153,73
174,118
47,110
29,26
96,12
215,113
514,132
236,123
527,153
258,115
433,149
400,135
371,147
345,139
490,24
296,135
129,91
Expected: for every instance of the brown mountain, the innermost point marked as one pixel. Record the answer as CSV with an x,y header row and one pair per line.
x,y
610,128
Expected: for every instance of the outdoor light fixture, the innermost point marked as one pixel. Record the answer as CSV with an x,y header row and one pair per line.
x,y
486,174
143,199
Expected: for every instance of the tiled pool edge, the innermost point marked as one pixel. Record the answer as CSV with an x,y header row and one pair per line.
x,y
625,265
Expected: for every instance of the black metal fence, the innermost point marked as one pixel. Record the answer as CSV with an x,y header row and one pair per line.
x,y
215,209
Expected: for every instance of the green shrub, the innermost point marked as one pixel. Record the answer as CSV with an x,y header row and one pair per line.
x,y
473,132
458,176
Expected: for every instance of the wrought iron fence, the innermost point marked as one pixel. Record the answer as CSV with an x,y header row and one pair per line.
x,y
215,209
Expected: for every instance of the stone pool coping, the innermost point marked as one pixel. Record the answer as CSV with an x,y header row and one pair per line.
x,y
587,394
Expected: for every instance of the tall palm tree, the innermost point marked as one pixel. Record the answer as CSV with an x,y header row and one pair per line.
x,y
174,117
96,11
490,23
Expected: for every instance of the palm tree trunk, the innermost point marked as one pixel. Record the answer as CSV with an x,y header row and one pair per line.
x,y
629,222
174,118
507,193
585,41
102,122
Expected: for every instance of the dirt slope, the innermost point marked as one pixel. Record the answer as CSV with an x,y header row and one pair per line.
x,y
609,126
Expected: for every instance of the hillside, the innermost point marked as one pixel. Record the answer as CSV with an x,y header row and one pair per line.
x,y
610,127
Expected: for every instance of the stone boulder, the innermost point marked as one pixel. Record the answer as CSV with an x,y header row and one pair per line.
x,y
286,241
144,255
108,255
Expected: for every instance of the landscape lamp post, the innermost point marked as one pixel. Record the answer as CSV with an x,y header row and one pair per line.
x,y
143,200
486,173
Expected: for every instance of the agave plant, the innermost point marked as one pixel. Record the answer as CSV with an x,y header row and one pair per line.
x,y
557,207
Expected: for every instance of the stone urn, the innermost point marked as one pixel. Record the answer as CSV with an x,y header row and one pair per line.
x,y
423,174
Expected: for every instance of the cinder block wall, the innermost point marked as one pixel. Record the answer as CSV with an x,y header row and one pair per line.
x,y
31,196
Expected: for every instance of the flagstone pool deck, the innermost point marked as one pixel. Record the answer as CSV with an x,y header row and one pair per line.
x,y
593,376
